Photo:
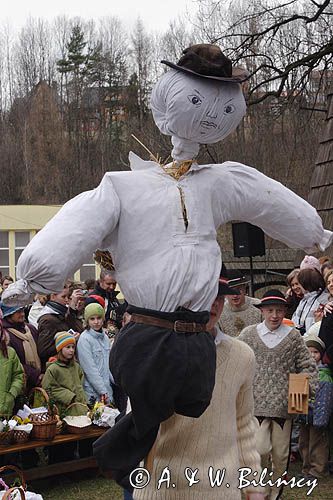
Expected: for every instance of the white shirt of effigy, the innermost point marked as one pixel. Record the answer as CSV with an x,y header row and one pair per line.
x,y
163,261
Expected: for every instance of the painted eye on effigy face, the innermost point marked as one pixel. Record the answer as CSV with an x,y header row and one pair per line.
x,y
228,109
194,99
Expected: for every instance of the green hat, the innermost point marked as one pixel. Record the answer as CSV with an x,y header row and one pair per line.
x,y
93,310
62,339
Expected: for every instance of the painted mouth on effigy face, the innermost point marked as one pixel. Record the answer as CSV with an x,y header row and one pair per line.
x,y
208,125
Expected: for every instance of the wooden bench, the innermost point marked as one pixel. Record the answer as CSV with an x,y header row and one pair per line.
x,y
61,467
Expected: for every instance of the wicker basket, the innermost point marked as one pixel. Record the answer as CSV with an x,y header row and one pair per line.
x,y
7,495
19,474
44,424
59,425
72,429
20,436
41,417
6,438
77,430
44,430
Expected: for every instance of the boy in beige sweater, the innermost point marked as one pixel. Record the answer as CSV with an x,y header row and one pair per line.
x,y
279,350
220,441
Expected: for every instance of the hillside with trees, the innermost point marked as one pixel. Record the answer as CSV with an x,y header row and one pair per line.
x,y
72,92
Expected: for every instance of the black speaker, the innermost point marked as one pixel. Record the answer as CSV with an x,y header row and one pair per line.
x,y
248,240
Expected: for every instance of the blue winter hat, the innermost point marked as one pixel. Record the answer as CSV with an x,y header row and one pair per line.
x,y
8,310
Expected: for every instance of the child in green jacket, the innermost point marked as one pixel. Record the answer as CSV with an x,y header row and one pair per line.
x,y
63,378
11,376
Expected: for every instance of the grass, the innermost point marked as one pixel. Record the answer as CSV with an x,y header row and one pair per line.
x,y
323,491
77,486
85,485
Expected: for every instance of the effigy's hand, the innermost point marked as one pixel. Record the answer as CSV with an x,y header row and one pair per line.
x,y
18,294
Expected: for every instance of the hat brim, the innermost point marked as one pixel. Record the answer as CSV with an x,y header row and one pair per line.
x,y
271,303
224,289
9,313
239,75
237,282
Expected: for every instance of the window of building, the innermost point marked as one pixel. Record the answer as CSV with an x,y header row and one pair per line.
x,y
4,253
87,271
21,241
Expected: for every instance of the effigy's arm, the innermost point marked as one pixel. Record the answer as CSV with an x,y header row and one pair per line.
x,y
255,198
66,242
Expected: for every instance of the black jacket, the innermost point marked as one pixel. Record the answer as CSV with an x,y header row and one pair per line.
x,y
326,335
113,311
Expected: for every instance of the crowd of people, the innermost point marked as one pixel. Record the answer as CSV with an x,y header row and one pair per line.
x,y
63,341
295,336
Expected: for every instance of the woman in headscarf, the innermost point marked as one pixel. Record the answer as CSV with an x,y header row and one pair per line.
x,y
23,339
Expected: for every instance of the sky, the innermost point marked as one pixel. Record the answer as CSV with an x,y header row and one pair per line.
x,y
155,14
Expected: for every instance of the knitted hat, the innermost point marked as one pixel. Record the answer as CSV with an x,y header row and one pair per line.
x,y
95,299
9,310
311,262
93,309
62,339
314,341
272,298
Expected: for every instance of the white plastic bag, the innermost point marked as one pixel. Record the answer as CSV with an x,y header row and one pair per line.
x,y
107,417
29,495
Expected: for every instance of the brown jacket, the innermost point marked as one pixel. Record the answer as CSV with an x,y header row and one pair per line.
x,y
48,326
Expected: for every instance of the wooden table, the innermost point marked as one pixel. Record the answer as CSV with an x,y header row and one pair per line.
x,y
61,467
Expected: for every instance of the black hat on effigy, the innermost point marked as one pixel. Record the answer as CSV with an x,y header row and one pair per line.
x,y
208,61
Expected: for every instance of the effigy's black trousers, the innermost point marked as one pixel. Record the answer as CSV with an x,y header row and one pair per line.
x,y
163,372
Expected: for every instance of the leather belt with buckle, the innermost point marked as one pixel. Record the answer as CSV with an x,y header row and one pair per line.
x,y
178,326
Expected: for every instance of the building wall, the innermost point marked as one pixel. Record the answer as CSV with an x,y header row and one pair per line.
x,y
18,225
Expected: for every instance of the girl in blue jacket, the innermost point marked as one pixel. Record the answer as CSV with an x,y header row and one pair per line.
x,y
93,350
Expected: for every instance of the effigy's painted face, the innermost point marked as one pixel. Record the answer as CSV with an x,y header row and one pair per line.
x,y
196,109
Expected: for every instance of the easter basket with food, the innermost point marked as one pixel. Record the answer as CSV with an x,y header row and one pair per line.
x,y
44,418
76,423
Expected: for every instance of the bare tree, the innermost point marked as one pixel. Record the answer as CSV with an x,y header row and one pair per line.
x,y
141,60
33,55
281,43
7,81
178,36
